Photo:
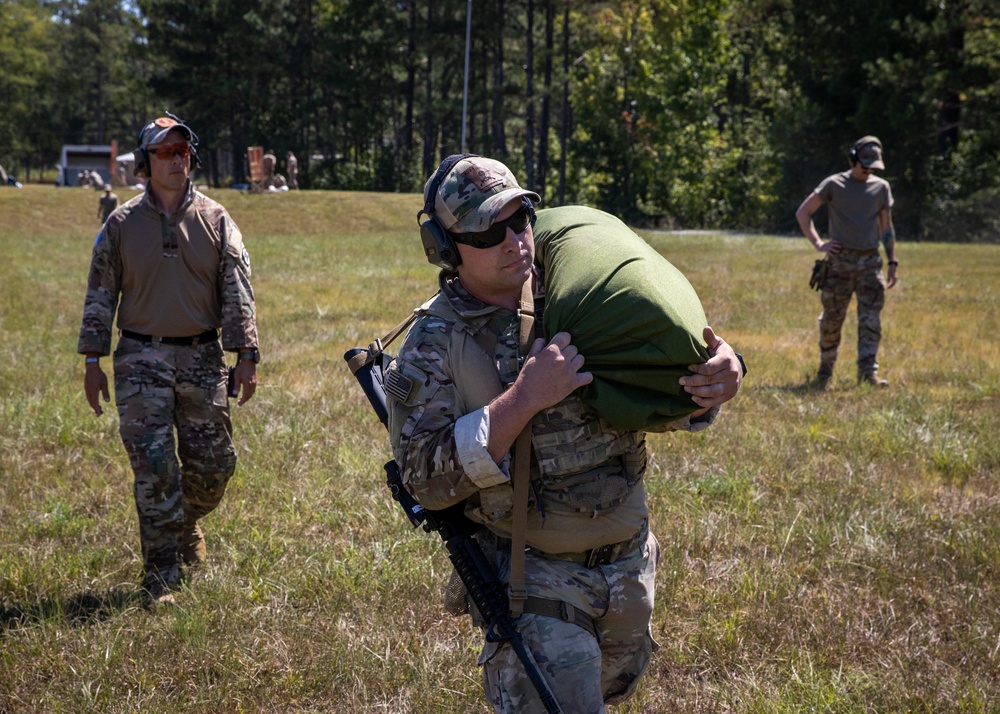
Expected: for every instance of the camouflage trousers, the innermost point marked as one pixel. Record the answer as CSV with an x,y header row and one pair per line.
x,y
583,673
849,275
163,392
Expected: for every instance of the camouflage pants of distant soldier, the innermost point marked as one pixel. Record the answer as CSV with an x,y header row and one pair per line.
x,y
583,673
846,276
160,389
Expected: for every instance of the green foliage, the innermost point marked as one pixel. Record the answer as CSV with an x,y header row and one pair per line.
x,y
723,113
26,41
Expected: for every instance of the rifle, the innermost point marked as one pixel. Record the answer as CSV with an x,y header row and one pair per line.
x,y
478,575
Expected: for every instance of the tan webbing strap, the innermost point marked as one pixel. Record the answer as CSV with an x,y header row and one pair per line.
x,y
563,611
521,474
375,348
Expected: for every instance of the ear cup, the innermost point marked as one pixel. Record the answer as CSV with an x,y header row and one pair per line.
x,y
141,162
438,246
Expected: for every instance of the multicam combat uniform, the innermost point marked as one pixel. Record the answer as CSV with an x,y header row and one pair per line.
x,y
180,278
591,557
853,207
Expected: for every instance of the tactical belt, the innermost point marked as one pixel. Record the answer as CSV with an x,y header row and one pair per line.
x,y
602,555
208,336
858,253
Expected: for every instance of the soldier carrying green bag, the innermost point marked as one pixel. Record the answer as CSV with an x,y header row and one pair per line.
x,y
487,416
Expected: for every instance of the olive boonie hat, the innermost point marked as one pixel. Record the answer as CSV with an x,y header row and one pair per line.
x,y
868,150
474,193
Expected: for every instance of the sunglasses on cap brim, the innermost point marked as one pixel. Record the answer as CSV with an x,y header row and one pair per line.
x,y
497,233
168,151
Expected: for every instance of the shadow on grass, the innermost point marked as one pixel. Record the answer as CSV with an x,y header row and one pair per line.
x,y
81,609
813,386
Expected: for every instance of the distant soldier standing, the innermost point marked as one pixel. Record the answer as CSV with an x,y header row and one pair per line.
x,y
173,265
292,169
107,204
860,215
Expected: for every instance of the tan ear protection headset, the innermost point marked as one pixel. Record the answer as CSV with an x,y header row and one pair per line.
x,y
438,244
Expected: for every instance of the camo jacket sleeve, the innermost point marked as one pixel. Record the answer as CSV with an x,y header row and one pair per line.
x,y
103,288
439,435
239,312
686,423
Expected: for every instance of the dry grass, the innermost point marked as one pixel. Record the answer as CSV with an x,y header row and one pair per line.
x,y
828,552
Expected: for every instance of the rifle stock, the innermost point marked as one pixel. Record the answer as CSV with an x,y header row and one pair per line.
x,y
478,575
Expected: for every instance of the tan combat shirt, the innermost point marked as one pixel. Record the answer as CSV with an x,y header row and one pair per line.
x,y
169,276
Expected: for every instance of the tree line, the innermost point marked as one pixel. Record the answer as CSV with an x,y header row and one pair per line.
x,y
677,113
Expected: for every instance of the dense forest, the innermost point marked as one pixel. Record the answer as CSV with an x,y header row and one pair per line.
x,y
679,113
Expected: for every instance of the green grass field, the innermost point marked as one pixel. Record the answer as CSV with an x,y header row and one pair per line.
x,y
831,551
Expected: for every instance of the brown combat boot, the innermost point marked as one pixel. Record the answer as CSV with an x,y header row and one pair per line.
x,y
873,380
162,584
192,545
823,375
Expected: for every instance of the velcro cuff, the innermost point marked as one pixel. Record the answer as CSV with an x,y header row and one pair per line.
x,y
703,421
472,435
686,424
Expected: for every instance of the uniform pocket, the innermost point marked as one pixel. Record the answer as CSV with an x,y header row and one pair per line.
x,y
571,437
126,389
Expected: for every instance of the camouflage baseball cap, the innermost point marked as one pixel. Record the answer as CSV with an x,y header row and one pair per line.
x,y
474,192
156,131
868,150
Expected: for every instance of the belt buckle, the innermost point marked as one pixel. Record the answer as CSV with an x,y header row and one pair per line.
x,y
155,340
596,555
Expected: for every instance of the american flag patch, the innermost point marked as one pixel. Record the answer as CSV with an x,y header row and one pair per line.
x,y
398,386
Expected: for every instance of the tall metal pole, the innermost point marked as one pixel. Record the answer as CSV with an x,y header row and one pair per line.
x,y
465,90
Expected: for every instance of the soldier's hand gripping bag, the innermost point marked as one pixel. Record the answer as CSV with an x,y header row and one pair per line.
x,y
633,316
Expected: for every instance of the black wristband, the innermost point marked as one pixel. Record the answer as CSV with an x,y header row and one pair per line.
x,y
742,363
893,262
252,354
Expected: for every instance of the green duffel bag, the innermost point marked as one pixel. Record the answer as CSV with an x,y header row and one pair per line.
x,y
634,317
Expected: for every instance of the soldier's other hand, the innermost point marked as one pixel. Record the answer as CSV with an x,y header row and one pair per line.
x,y
551,371
718,379
95,386
831,247
246,379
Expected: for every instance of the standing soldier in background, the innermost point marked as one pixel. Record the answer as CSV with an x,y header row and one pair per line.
x,y
107,204
860,216
292,169
173,265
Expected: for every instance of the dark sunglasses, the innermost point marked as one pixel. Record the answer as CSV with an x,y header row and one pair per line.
x,y
497,233
168,151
